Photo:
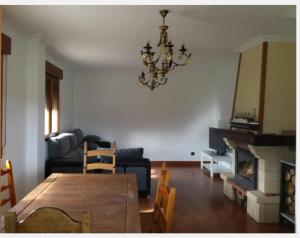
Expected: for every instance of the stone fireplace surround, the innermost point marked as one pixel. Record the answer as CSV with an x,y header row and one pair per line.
x,y
263,203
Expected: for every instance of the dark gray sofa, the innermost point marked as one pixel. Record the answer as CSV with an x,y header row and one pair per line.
x,y
65,155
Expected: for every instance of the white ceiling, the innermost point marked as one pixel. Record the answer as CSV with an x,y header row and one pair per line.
x,y
112,36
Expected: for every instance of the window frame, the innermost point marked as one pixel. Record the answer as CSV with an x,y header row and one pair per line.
x,y
52,96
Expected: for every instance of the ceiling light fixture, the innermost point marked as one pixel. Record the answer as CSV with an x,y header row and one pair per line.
x,y
158,75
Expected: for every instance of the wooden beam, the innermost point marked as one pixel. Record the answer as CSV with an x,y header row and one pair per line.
x,y
236,86
53,71
262,86
6,44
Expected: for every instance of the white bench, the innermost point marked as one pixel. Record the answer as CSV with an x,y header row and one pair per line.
x,y
217,163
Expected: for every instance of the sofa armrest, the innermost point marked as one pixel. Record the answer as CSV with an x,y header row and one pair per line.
x,y
130,152
128,162
137,163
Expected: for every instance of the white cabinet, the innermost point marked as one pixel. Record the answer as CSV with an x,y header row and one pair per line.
x,y
216,163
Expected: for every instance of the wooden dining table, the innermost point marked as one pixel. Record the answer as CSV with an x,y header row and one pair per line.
x,y
111,199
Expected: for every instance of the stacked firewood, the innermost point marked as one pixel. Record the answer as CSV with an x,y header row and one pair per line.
x,y
290,190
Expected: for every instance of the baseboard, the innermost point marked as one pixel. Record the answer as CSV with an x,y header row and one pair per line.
x,y
177,163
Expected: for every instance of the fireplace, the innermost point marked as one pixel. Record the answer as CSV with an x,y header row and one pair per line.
x,y
246,169
256,175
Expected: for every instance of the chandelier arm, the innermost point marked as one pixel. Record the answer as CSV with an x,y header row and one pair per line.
x,y
163,81
150,82
187,60
144,82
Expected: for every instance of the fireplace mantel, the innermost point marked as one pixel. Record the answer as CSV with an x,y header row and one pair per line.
x,y
258,139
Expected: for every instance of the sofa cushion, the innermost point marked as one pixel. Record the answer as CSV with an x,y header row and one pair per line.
x,y
92,145
79,136
72,154
59,145
92,138
104,144
79,151
74,140
130,153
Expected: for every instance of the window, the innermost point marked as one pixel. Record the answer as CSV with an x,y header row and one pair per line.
x,y
53,76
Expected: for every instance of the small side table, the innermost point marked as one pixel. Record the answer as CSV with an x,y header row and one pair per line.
x,y
217,163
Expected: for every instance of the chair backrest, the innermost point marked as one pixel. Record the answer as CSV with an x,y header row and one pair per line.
x,y
111,152
9,186
163,180
48,220
163,210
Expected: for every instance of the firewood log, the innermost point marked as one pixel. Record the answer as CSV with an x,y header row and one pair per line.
x,y
287,176
290,188
293,180
292,172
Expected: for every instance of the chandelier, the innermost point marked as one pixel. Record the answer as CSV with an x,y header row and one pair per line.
x,y
158,68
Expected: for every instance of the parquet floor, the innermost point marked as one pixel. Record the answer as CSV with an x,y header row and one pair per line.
x,y
201,206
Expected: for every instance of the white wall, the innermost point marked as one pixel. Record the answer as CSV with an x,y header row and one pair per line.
x,y
25,75
35,110
15,139
169,122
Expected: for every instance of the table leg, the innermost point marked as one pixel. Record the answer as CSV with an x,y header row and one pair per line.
x,y
201,160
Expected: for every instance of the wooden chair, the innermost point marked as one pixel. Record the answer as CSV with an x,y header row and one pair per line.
x,y
164,179
163,210
99,152
160,220
10,185
48,220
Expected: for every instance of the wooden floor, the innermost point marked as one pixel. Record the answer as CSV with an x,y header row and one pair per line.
x,y
201,206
